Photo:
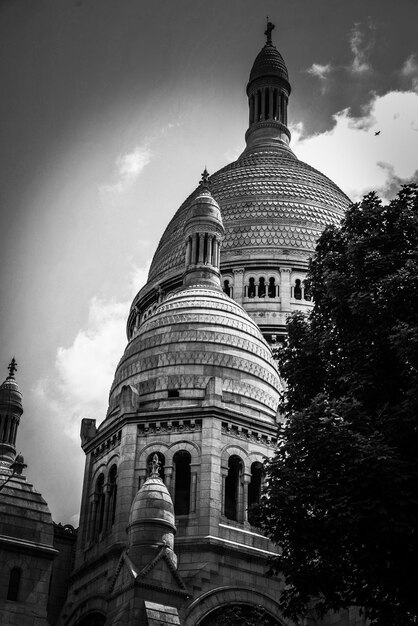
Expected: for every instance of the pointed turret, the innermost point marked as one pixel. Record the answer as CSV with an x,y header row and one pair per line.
x,y
268,92
203,233
11,409
151,521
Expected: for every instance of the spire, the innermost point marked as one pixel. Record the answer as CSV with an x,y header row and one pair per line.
x,y
203,233
268,92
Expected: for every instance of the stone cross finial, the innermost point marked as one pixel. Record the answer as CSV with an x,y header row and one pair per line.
x,y
204,181
267,32
12,367
155,466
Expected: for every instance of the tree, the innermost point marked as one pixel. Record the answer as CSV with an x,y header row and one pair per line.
x,y
342,495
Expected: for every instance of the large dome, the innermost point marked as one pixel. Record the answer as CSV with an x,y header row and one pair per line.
x,y
272,204
200,348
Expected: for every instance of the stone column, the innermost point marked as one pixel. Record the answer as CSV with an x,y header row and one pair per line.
x,y
263,103
194,241
188,252
285,288
271,112
215,252
201,247
193,491
238,284
251,109
256,107
210,240
246,479
224,475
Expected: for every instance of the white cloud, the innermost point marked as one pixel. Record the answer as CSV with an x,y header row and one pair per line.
x,y
360,161
410,71
360,49
84,370
128,167
320,71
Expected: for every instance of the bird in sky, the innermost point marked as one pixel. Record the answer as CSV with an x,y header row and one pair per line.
x,y
377,132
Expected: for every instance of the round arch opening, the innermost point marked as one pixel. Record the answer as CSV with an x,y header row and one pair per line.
x,y
237,614
92,619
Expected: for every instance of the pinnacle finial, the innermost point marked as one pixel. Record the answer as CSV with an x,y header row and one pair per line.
x,y
155,466
267,32
204,181
12,367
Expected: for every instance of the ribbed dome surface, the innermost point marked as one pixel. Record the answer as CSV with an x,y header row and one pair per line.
x,y
271,204
195,337
153,503
10,394
269,62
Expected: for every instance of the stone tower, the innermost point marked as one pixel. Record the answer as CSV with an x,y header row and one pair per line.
x,y
196,391
26,527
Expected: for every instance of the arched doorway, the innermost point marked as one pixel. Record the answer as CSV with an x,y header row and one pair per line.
x,y
92,619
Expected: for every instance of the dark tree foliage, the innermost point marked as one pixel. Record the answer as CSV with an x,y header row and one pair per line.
x,y
342,495
238,614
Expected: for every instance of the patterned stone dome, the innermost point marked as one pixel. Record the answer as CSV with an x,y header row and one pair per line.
x,y
200,348
10,395
269,62
273,207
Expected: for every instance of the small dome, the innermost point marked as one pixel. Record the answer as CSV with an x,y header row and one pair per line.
x,y
205,207
269,62
153,504
10,395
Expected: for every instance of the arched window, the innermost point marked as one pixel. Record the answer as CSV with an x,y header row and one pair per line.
x,y
307,290
297,290
99,507
227,288
233,489
113,490
262,288
272,288
251,288
14,584
161,460
182,477
254,487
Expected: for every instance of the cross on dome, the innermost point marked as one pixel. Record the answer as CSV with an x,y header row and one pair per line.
x,y
204,181
12,367
267,32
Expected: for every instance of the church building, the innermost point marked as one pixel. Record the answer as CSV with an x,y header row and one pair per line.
x,y
166,533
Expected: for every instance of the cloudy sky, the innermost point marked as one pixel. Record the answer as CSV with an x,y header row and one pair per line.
x,y
110,111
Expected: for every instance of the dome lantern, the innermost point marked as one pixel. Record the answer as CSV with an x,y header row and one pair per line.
x,y
11,409
203,232
268,92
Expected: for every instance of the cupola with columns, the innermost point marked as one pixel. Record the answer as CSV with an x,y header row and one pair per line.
x,y
203,233
268,92
11,409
